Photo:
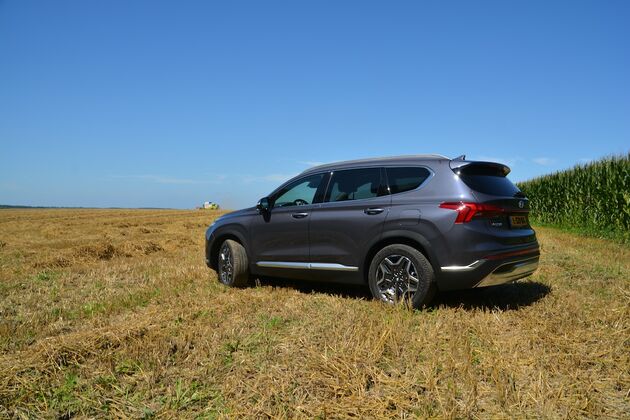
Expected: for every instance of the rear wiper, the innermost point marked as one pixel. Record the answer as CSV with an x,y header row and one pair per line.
x,y
519,194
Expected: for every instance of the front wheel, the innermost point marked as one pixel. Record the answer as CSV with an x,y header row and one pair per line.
x,y
400,274
232,265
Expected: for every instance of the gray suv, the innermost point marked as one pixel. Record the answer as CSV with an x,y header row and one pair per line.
x,y
407,226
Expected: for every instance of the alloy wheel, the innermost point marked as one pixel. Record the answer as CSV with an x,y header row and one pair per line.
x,y
226,264
397,279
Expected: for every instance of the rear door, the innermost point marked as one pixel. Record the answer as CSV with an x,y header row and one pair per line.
x,y
352,214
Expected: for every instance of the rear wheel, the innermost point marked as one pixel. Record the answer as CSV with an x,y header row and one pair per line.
x,y
400,274
232,265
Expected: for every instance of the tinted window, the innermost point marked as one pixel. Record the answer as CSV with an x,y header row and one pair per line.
x,y
406,179
489,180
355,184
298,193
492,185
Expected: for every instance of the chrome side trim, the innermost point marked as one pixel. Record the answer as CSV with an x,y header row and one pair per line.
x,y
468,267
307,266
281,264
332,266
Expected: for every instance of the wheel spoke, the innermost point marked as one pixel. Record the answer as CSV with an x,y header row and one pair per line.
x,y
383,276
412,288
410,269
380,280
400,261
389,295
387,265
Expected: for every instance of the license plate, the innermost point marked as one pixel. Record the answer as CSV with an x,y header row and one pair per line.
x,y
518,221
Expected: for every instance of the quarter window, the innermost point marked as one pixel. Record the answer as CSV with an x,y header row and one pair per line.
x,y
406,179
355,184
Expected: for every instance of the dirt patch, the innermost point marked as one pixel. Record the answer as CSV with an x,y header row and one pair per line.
x,y
147,230
99,252
106,251
109,251
126,225
150,248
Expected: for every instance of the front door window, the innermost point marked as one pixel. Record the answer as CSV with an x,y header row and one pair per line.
x,y
299,193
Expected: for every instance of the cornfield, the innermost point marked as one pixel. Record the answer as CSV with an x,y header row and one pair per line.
x,y
595,196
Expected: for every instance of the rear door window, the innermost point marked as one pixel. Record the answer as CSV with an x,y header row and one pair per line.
x,y
406,178
355,184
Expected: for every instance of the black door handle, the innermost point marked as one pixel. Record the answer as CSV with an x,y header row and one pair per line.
x,y
299,215
372,211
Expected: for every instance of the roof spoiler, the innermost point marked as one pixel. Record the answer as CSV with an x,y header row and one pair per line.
x,y
458,164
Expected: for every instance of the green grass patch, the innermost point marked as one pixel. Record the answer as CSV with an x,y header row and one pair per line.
x,y
47,276
619,236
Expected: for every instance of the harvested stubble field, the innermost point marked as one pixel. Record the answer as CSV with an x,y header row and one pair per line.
x,y
113,313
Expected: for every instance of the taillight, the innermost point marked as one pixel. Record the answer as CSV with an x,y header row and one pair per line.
x,y
466,211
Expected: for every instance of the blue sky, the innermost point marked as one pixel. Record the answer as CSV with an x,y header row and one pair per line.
x,y
170,103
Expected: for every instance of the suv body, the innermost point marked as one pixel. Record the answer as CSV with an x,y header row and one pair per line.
x,y
465,218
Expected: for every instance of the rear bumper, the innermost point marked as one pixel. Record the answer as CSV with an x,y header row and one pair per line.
x,y
510,272
490,271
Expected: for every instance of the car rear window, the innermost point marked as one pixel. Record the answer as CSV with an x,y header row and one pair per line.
x,y
488,180
406,179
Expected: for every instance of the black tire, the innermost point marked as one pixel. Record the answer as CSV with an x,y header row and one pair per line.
x,y
390,286
232,264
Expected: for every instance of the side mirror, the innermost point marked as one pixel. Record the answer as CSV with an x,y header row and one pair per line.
x,y
263,204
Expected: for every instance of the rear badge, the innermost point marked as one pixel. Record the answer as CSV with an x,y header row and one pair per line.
x,y
521,204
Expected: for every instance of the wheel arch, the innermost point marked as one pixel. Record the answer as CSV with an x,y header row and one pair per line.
x,y
411,239
218,241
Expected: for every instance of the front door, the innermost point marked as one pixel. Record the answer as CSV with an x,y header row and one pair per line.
x,y
281,234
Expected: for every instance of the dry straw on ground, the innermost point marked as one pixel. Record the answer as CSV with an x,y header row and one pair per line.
x,y
113,313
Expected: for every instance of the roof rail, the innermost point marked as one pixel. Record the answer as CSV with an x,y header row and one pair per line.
x,y
376,159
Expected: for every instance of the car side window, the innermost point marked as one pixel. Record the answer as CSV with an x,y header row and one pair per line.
x,y
406,178
299,193
355,184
